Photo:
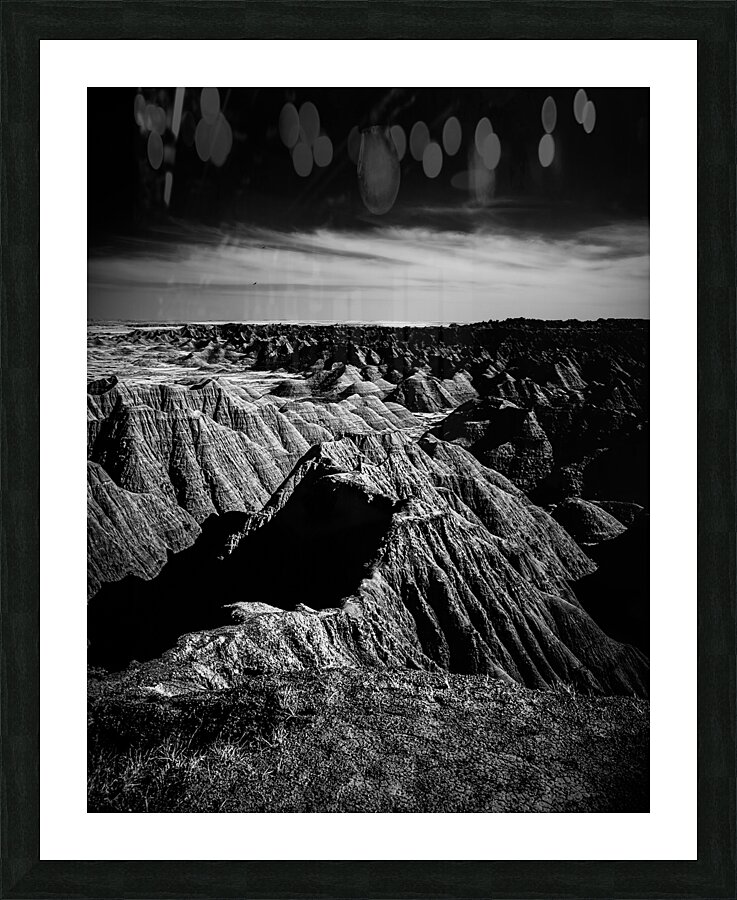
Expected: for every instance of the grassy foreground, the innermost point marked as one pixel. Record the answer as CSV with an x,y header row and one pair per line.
x,y
374,740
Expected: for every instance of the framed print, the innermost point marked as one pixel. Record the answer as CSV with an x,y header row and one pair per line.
x,y
399,352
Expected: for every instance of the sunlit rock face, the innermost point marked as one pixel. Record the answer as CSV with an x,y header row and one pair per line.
x,y
279,498
586,522
453,569
203,450
504,437
130,532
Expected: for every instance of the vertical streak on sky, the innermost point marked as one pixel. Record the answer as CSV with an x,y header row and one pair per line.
x,y
385,275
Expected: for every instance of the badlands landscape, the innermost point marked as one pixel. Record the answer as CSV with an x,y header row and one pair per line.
x,y
368,568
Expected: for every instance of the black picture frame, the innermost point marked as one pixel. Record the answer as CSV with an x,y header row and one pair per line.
x,y
24,24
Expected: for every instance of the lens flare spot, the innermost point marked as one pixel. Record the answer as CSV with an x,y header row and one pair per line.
x,y
452,136
209,103
579,102
148,116
323,151
492,151
419,138
378,170
461,181
203,139
309,122
546,150
483,130
549,114
302,159
155,149
432,160
479,181
158,120
221,141
168,182
139,110
176,116
589,117
289,125
400,140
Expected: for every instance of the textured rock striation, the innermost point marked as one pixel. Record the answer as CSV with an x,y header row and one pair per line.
x,y
279,498
201,450
587,522
130,532
504,437
582,387
468,576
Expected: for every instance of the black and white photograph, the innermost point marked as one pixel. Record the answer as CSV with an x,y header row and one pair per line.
x,y
368,450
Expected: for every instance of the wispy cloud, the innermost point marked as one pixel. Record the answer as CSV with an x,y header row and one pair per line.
x,y
401,273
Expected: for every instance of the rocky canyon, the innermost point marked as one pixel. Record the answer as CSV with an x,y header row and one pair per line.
x,y
325,561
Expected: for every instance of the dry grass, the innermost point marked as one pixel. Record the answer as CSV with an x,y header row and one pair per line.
x,y
368,740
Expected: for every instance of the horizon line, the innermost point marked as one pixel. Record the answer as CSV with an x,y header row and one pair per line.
x,y
368,322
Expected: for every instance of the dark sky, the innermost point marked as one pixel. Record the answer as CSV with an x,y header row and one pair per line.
x,y
173,237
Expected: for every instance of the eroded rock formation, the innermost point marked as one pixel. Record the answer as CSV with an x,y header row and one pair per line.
x,y
314,518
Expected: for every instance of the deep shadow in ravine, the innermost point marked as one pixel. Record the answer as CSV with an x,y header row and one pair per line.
x,y
314,551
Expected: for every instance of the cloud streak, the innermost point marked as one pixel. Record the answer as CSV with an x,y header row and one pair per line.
x,y
393,274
